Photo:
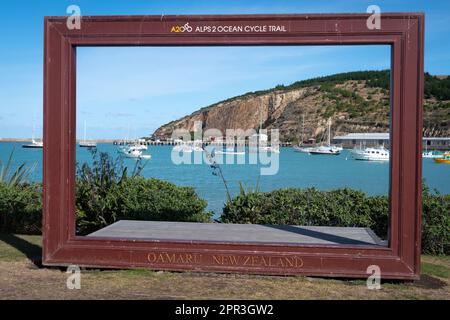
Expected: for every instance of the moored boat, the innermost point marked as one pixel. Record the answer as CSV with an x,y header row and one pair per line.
x,y
34,145
371,154
325,150
302,149
84,143
444,159
131,152
431,155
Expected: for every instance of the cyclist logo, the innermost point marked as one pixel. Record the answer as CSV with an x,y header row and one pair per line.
x,y
180,29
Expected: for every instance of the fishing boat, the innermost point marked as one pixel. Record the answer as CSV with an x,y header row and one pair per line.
x,y
444,159
84,143
371,154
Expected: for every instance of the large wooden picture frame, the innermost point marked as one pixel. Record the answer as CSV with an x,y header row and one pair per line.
x,y
403,32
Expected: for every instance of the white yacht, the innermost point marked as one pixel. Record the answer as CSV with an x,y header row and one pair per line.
x,y
135,153
84,143
302,149
371,154
232,150
431,155
327,149
34,145
188,148
137,146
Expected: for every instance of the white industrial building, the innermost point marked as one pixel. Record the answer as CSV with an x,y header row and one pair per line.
x,y
378,139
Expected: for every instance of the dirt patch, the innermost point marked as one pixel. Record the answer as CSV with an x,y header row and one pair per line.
x,y
22,279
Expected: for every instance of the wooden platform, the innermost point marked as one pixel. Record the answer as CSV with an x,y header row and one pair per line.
x,y
238,233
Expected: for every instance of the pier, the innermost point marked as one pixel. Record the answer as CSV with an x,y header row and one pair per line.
x,y
177,143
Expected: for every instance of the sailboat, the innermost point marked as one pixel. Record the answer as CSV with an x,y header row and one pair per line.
x,y
35,144
301,146
84,143
430,154
262,140
326,149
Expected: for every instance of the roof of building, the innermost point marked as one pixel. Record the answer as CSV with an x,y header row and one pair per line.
x,y
364,136
379,136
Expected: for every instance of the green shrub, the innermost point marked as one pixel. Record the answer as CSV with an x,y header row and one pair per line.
x,y
308,207
105,193
12,177
138,198
342,207
20,208
435,223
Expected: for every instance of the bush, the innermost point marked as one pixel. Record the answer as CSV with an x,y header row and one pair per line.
x,y
20,208
307,207
342,207
435,223
106,194
138,198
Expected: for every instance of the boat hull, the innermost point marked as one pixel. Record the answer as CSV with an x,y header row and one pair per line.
x,y
315,153
302,150
442,160
30,146
370,159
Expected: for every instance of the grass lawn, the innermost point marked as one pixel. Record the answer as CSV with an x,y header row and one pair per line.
x,y
20,278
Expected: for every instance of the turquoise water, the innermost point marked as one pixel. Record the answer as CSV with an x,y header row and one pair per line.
x,y
295,170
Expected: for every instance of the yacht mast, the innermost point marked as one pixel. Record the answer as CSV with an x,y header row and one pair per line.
x,y
329,132
84,131
303,128
33,132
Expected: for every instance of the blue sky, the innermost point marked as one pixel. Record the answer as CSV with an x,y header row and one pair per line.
x,y
113,112
148,87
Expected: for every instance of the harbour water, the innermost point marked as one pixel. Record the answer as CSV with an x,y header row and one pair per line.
x,y
295,170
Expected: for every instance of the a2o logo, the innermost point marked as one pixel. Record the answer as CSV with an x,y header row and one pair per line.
x,y
179,29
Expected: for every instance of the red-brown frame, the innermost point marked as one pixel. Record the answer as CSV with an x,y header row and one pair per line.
x,y
404,32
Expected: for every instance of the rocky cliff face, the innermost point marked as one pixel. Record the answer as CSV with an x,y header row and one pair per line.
x,y
352,106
